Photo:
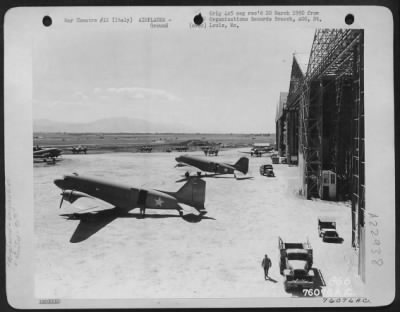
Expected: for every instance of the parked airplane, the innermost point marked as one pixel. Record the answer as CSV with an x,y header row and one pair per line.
x,y
46,154
241,165
79,149
209,151
256,152
259,149
92,195
145,149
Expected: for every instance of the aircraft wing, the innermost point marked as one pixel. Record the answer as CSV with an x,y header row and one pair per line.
x,y
181,164
41,154
84,203
89,224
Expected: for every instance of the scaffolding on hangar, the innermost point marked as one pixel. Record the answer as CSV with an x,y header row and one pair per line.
x,y
326,106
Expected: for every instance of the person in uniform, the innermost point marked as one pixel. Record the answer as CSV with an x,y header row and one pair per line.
x,y
266,264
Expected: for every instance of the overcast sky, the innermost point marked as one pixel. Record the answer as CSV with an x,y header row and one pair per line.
x,y
220,81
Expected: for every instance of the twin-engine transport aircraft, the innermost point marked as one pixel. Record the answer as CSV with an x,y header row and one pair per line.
x,y
98,202
46,153
92,195
257,152
242,165
259,149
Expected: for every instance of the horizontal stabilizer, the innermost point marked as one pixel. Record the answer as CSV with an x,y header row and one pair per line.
x,y
189,210
241,176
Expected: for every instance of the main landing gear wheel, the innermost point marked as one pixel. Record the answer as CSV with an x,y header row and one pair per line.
x,y
199,174
187,174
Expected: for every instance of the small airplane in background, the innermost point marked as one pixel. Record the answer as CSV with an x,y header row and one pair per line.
x,y
46,154
209,151
79,149
145,149
242,165
259,149
92,196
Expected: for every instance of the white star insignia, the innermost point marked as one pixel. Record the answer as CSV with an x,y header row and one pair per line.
x,y
159,201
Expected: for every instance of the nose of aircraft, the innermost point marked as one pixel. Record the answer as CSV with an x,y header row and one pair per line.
x,y
59,183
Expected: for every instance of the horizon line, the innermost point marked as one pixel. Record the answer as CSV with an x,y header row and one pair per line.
x,y
229,133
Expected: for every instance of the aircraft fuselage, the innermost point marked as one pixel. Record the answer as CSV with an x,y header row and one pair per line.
x,y
206,165
47,153
119,195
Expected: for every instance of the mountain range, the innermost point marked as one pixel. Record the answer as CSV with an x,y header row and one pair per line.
x,y
109,125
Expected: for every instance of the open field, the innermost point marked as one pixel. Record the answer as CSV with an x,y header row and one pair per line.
x,y
130,142
166,256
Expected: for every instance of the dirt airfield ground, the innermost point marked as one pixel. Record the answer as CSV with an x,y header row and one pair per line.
x,y
165,256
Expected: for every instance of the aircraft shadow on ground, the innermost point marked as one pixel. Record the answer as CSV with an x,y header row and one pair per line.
x,y
91,223
319,282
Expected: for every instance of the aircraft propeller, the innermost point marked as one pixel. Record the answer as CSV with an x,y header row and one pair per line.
x,y
62,199
66,194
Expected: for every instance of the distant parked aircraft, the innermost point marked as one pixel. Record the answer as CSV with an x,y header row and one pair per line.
x,y
242,165
146,149
46,154
259,149
209,151
79,149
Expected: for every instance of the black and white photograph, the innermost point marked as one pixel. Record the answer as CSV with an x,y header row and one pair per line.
x,y
199,154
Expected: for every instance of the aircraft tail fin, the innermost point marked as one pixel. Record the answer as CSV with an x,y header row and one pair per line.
x,y
192,193
242,165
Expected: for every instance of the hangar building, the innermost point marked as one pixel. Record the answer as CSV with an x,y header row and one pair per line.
x,y
320,126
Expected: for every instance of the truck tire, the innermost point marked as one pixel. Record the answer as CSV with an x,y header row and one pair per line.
x,y
285,286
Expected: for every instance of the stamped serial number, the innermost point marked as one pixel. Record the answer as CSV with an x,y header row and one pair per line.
x,y
376,249
49,301
345,300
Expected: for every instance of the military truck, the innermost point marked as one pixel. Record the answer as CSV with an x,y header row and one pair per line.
x,y
296,260
267,170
